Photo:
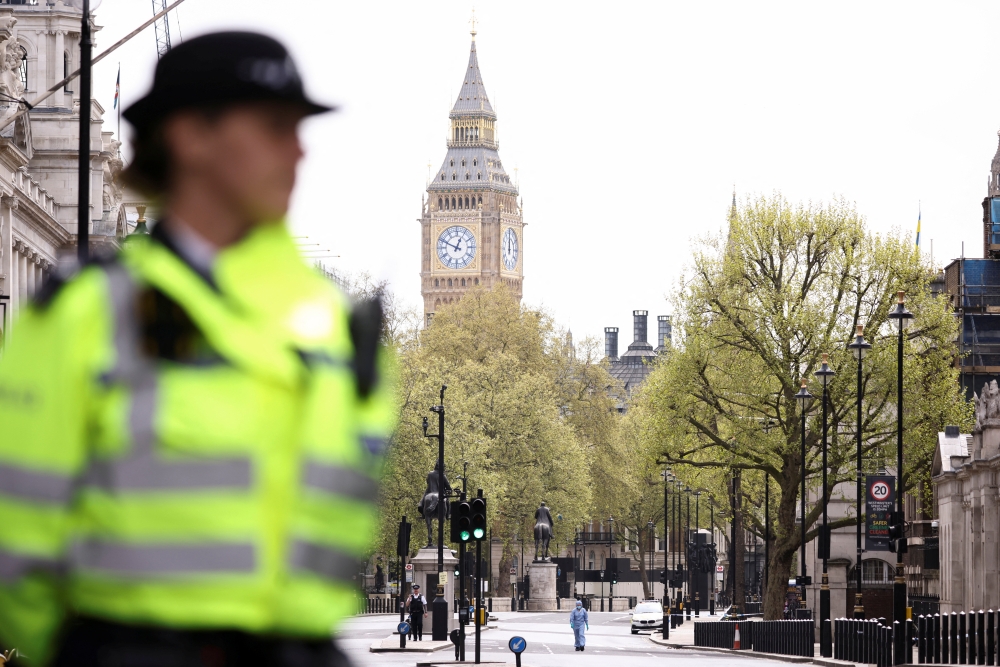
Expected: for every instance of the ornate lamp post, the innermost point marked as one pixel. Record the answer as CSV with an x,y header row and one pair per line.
x,y
803,398
83,157
903,318
825,374
859,348
697,546
651,529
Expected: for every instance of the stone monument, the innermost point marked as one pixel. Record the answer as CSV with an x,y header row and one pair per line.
x,y
425,573
542,572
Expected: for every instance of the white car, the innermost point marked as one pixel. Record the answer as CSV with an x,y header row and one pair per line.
x,y
647,615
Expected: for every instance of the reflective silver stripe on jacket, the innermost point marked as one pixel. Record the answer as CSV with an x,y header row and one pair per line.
x,y
35,486
143,469
124,559
339,480
325,561
14,566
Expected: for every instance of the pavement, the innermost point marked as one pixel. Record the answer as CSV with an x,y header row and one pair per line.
x,y
549,644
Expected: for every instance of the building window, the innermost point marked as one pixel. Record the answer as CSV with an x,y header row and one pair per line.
x,y
474,162
479,176
24,68
454,176
452,163
591,565
463,282
453,202
467,176
449,282
436,283
439,203
463,162
477,281
466,202
442,175
480,201
66,72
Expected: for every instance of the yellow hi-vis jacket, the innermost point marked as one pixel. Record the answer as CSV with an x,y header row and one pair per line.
x,y
187,452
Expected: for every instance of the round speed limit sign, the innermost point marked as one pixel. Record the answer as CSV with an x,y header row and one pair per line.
x,y
879,491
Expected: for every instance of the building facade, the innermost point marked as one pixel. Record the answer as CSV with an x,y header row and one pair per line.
x,y
39,46
471,222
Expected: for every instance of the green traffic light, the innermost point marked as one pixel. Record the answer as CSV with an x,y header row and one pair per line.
x,y
464,535
479,532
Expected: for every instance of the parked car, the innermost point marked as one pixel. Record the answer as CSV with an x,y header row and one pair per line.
x,y
647,615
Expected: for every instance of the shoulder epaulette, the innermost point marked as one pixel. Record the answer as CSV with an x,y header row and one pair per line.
x,y
64,274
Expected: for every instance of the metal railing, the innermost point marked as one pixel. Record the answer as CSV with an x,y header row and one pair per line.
x,y
791,637
378,605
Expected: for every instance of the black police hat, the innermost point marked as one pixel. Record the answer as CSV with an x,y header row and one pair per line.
x,y
219,69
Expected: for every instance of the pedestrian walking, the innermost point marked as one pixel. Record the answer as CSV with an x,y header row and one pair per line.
x,y
417,604
192,429
579,621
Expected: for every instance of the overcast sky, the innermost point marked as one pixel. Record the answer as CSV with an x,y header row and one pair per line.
x,y
629,124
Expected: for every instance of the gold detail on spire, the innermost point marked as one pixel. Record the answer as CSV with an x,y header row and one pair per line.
x,y
472,22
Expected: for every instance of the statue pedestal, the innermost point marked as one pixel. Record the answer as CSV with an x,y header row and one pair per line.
x,y
425,573
542,586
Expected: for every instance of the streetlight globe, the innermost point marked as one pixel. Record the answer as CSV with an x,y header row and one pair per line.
x,y
825,373
859,348
803,397
902,316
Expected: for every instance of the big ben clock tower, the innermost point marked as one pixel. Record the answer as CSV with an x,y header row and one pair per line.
x,y
471,225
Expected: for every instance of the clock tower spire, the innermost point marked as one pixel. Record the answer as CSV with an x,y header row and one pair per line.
x,y
471,224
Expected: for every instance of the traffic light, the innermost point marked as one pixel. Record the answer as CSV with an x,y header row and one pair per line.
x,y
478,517
663,576
897,535
461,521
403,538
614,573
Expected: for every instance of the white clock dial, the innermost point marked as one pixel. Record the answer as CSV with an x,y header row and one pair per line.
x,y
456,247
509,249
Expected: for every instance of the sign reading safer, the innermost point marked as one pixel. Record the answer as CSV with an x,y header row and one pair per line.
x,y
880,496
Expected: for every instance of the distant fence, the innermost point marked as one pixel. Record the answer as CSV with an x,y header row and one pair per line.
x,y
378,605
791,637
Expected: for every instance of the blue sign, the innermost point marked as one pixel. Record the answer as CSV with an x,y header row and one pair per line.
x,y
517,644
403,628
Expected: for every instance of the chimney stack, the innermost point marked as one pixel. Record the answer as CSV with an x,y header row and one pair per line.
x,y
663,336
639,318
611,343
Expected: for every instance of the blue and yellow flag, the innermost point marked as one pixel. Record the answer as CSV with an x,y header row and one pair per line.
x,y
918,226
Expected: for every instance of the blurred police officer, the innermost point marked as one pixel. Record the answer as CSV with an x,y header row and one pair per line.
x,y
192,429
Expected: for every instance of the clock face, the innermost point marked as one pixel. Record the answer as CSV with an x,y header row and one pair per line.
x,y
509,249
456,247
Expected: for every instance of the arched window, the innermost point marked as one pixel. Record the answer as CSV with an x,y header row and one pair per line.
x,y
467,176
590,566
480,201
513,562
449,282
452,163
446,203
437,303
463,162
477,281
436,282
474,162
439,203
453,202
466,202
479,176
579,561
442,175
463,282
24,67
66,71
454,176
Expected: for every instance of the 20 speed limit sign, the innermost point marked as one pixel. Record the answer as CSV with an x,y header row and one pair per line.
x,y
879,491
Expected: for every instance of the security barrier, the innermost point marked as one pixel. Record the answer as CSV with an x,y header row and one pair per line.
x,y
378,605
862,641
791,637
958,638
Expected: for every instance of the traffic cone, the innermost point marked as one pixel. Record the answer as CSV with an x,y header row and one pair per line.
x,y
736,638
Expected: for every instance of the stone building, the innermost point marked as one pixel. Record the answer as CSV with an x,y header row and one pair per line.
x,y
964,475
39,46
471,223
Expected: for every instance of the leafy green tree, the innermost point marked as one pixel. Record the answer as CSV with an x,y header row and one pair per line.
x,y
757,309
514,409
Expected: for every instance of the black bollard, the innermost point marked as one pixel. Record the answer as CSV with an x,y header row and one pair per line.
x,y
990,638
953,637
936,639
981,638
921,639
963,639
971,638
945,639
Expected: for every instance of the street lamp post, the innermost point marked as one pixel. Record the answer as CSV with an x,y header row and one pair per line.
x,y
439,606
825,374
687,555
712,577
803,398
859,348
902,317
610,563
697,546
652,549
83,162
767,515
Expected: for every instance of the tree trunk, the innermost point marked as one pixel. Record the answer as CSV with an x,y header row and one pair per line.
x,y
786,539
739,547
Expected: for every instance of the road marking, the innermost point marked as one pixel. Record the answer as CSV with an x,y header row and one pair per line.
x,y
548,649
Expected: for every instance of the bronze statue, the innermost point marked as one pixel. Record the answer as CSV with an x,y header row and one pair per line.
x,y
428,507
543,532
